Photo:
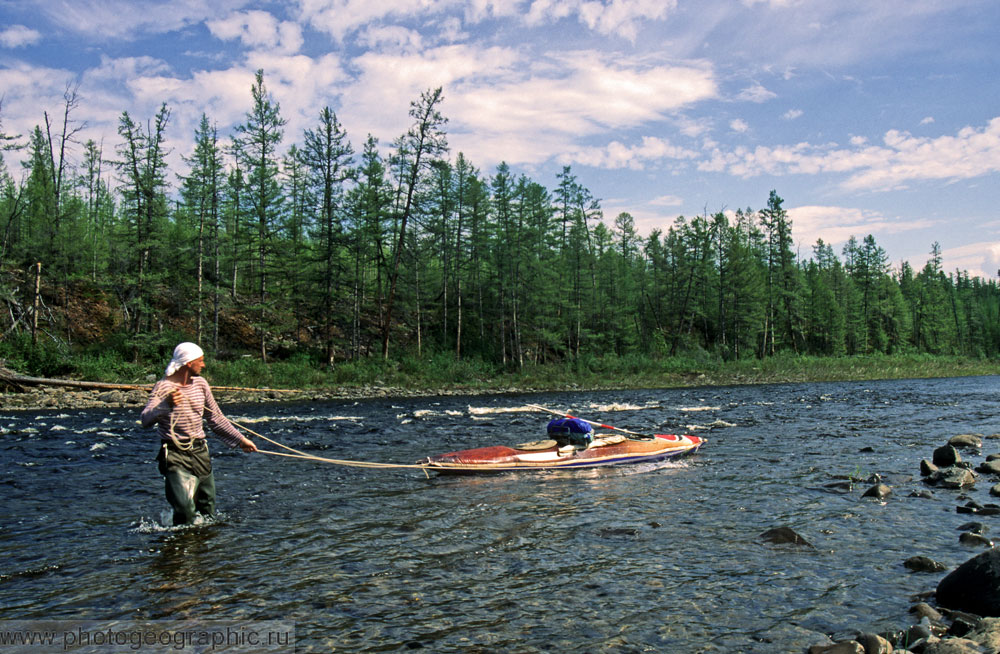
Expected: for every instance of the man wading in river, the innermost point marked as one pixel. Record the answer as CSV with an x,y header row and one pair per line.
x,y
178,404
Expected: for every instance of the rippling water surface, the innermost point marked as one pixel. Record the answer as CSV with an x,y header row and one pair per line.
x,y
646,558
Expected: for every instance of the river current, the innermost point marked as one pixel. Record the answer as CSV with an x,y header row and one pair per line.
x,y
646,558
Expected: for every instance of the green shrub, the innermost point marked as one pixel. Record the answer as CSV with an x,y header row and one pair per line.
x,y
41,359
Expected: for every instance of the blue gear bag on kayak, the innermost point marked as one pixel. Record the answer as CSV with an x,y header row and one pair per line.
x,y
571,431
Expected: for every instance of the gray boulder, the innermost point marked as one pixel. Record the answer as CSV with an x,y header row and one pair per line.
x,y
989,467
924,610
874,644
923,564
967,441
927,468
974,527
952,477
878,491
946,456
962,623
973,586
972,539
784,536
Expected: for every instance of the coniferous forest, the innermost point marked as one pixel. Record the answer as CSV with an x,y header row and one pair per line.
x,y
284,245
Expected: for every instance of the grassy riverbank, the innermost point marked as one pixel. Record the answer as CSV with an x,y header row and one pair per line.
x,y
443,373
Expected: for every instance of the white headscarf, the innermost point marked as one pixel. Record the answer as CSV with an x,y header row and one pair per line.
x,y
183,354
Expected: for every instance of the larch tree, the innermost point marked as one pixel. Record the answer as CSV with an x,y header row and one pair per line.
x,y
200,191
328,155
424,142
143,171
257,141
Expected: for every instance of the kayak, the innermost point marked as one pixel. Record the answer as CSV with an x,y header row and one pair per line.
x,y
603,450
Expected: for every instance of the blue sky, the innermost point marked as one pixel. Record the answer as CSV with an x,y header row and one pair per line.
x,y
867,117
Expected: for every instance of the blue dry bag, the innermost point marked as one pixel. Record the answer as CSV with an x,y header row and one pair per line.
x,y
571,431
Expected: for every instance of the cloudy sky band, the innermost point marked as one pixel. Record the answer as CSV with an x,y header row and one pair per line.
x,y
678,100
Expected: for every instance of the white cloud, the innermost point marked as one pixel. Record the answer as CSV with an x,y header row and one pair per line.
x,y
18,36
140,85
792,114
617,155
258,30
780,4
905,158
667,201
739,125
692,127
341,17
391,37
978,259
303,86
27,92
929,120
505,105
451,31
479,10
621,18
901,160
835,225
646,220
756,93
104,20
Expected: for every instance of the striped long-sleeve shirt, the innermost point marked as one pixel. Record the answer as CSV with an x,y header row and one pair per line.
x,y
187,417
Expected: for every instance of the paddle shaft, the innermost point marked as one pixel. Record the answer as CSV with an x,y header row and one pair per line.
x,y
589,422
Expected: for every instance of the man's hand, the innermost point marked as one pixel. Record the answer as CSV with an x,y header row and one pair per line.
x,y
177,398
248,445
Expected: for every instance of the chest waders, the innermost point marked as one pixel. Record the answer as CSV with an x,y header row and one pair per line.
x,y
188,480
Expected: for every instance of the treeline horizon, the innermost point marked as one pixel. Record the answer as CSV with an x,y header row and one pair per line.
x,y
287,245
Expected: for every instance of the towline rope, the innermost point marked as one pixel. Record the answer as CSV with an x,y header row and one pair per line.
x,y
299,454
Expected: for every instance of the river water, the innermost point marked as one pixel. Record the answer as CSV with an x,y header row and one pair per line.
x,y
647,558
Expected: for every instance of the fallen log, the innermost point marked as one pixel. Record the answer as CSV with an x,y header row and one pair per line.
x,y
18,382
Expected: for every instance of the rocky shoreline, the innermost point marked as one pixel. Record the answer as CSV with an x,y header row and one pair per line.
x,y
965,615
55,397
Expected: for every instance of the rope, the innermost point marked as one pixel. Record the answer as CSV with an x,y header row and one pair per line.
x,y
298,454
183,447
345,462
